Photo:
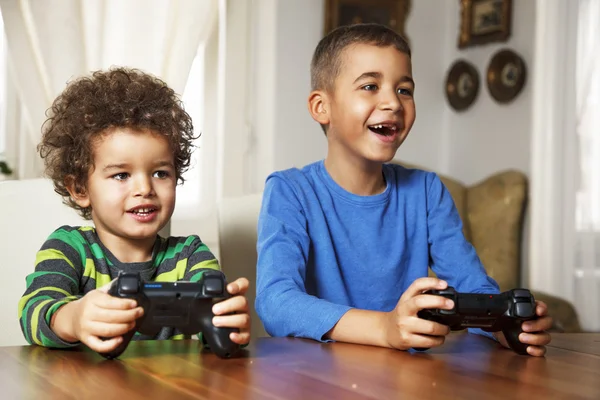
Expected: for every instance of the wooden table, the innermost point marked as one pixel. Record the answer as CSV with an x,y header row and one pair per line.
x,y
466,367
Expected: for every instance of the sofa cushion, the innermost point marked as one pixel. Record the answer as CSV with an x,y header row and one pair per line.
x,y
496,209
459,194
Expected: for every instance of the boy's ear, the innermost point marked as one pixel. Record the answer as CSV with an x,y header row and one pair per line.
x,y
318,106
77,193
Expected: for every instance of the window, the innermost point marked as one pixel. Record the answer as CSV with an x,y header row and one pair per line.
x,y
588,195
190,193
196,202
3,53
586,243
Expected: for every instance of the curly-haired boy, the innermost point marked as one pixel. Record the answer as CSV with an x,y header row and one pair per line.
x,y
115,144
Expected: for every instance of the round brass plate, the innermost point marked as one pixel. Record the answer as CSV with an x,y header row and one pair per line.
x,y
462,85
506,75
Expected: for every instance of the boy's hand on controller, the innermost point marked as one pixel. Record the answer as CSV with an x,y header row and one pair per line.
x,y
96,315
534,332
237,308
404,329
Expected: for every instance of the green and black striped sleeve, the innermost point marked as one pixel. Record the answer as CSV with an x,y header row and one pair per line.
x,y
59,266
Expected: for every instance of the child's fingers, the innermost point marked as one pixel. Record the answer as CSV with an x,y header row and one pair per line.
x,y
108,330
241,321
232,304
535,339
429,328
536,351
420,302
110,315
425,341
422,284
239,286
103,346
541,308
106,288
240,338
107,301
537,325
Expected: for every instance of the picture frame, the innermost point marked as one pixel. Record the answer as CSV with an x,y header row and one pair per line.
x,y
484,21
391,13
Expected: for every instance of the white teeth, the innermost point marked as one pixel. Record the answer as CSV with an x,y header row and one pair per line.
x,y
388,126
143,210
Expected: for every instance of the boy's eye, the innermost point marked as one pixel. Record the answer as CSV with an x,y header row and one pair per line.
x,y
121,176
405,92
161,174
369,88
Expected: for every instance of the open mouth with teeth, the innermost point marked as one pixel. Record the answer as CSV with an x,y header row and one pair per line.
x,y
142,211
384,129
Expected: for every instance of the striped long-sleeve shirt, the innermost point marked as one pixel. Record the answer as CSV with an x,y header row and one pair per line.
x,y
73,262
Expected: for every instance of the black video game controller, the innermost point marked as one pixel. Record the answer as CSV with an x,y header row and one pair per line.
x,y
186,306
491,312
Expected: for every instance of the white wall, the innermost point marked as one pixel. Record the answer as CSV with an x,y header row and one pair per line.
x,y
299,140
425,146
284,135
489,137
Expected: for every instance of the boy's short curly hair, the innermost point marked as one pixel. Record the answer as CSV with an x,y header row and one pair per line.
x,y
92,106
327,61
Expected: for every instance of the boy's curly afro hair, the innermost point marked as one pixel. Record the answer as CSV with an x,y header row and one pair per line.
x,y
92,106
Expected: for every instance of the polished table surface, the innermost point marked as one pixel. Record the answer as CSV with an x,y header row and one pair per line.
x,y
467,366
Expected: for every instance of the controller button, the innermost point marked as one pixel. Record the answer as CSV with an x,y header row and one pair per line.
x,y
129,285
213,286
521,293
447,312
524,310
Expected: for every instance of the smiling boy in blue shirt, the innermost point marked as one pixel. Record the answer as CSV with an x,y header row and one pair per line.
x,y
344,244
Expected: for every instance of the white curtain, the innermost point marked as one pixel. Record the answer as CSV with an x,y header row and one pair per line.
x,y
2,92
53,41
564,240
553,183
587,222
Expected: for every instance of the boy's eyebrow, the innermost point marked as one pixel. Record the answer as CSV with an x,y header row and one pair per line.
x,y
375,75
379,75
408,79
115,166
165,163
162,163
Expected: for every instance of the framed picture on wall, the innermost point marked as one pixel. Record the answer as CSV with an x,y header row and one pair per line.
x,y
484,21
391,13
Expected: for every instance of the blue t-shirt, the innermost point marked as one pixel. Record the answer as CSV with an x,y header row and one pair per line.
x,y
323,250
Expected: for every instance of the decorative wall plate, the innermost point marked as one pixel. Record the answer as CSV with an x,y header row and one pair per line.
x,y
462,85
506,75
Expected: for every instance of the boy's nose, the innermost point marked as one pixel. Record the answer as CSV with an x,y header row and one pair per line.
x,y
143,187
390,101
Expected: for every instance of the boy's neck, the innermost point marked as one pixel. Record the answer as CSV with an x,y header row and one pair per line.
x,y
126,250
362,179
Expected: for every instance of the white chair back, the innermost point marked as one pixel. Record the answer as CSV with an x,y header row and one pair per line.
x,y
238,217
30,211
